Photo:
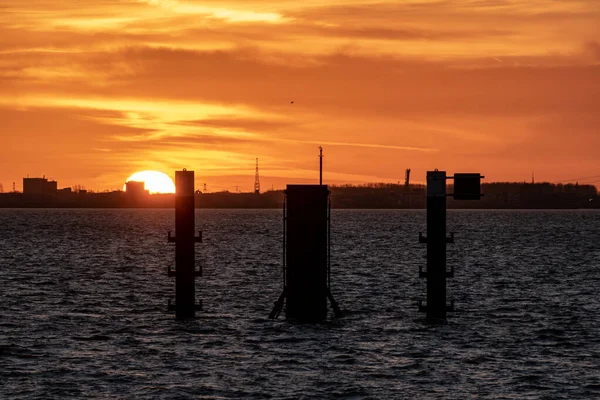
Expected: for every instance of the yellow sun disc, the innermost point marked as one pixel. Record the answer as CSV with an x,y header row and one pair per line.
x,y
154,181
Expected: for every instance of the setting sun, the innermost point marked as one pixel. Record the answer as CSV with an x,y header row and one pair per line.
x,y
154,181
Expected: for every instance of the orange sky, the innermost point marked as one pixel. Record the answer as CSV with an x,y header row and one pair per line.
x,y
94,90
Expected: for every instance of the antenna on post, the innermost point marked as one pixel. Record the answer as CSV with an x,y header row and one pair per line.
x,y
320,165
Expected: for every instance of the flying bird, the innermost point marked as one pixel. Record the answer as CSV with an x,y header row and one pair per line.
x,y
292,102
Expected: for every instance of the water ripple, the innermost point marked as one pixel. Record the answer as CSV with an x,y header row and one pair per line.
x,y
84,296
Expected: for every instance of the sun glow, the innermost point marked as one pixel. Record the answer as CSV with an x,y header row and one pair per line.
x,y
154,181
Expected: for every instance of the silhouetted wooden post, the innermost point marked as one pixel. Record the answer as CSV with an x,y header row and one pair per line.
x,y
306,249
466,187
185,239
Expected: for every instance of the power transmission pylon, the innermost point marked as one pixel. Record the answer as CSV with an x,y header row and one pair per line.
x,y
256,180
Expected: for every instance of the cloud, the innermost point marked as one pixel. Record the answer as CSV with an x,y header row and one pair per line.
x,y
183,142
367,145
340,84
241,91
242,124
373,32
230,14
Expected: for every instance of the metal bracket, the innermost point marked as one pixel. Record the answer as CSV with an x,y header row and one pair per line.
x,y
423,239
173,272
423,308
424,274
173,239
172,306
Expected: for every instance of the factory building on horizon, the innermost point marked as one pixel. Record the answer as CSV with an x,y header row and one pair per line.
x,y
39,186
135,189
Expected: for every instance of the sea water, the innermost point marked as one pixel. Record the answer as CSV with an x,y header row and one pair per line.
x,y
83,308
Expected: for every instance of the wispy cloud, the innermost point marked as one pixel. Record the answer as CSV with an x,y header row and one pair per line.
x,y
226,13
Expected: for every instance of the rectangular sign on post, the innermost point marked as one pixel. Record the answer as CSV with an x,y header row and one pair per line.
x,y
467,186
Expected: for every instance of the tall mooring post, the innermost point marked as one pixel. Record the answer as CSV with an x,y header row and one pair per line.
x,y
466,187
185,255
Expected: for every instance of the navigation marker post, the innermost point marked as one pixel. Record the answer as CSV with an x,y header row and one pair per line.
x,y
466,187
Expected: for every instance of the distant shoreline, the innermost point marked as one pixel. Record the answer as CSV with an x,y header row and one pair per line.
x,y
497,196
279,209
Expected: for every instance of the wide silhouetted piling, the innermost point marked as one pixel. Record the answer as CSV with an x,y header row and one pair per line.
x,y
185,239
306,259
306,264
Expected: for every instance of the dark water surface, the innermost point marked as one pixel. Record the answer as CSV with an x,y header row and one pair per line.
x,y
83,297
